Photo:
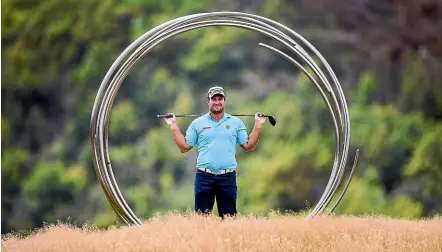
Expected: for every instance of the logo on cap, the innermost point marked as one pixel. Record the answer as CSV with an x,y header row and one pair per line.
x,y
215,90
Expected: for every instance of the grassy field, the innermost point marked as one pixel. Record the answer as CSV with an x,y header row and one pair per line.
x,y
277,232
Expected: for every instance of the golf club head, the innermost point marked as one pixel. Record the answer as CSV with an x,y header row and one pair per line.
x,y
272,120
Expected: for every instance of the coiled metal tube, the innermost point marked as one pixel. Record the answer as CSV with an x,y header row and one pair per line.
x,y
326,82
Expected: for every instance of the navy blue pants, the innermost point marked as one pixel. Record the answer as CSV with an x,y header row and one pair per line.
x,y
209,187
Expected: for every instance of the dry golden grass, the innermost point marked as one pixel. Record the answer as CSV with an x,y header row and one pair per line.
x,y
175,232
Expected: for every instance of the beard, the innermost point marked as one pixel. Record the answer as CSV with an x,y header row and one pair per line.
x,y
217,110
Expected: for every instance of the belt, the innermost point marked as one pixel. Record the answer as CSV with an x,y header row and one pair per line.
x,y
223,171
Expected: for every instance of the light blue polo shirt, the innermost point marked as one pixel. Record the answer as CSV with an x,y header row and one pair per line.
x,y
216,141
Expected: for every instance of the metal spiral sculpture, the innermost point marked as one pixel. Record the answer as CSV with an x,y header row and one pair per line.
x,y
326,82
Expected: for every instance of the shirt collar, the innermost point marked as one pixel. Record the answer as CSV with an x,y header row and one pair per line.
x,y
222,119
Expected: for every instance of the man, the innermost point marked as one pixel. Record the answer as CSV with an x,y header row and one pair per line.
x,y
216,134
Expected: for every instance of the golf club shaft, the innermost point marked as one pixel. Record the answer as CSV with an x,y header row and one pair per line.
x,y
272,119
191,115
165,116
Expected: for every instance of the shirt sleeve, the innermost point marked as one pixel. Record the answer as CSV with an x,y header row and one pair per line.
x,y
191,135
242,133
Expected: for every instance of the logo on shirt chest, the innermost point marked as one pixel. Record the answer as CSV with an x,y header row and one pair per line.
x,y
227,126
204,129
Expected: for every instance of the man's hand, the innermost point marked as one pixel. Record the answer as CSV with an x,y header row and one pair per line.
x,y
260,118
171,121
178,137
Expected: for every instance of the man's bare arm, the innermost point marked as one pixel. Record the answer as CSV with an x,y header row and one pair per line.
x,y
250,145
179,139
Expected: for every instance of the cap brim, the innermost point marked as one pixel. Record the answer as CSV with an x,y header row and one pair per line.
x,y
212,95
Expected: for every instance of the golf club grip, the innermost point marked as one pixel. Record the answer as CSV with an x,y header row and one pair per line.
x,y
164,116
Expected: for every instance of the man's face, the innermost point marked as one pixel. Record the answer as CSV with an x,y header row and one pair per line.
x,y
216,104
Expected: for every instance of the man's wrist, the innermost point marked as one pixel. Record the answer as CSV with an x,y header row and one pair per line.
x,y
258,125
173,127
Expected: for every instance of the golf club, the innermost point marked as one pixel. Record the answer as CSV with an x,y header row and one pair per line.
x,y
272,119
